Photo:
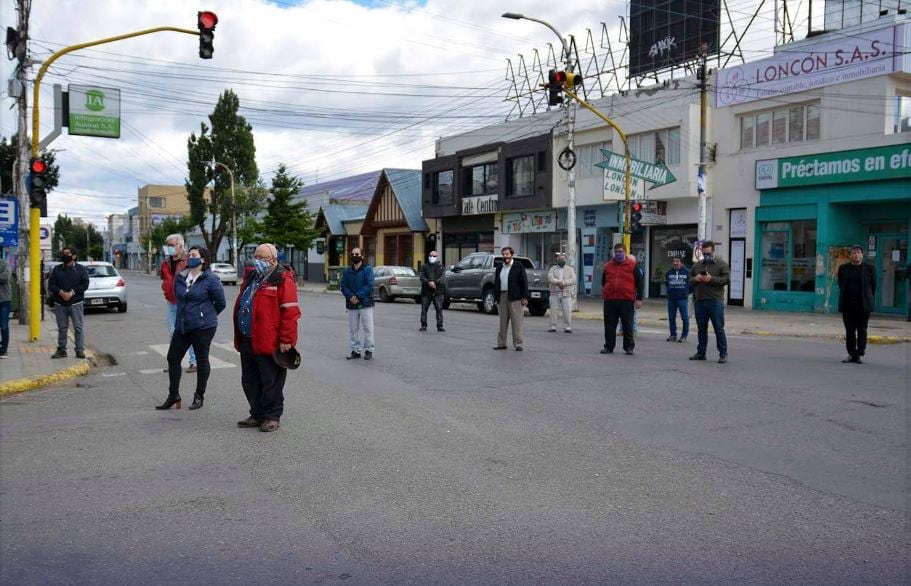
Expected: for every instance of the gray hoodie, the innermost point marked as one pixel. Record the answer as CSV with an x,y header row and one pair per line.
x,y
5,277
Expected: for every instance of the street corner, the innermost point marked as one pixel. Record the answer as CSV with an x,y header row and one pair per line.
x,y
887,340
33,383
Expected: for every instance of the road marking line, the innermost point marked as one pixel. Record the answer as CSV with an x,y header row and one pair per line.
x,y
214,363
150,370
111,374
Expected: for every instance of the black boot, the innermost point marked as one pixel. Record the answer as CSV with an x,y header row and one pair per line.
x,y
197,401
169,402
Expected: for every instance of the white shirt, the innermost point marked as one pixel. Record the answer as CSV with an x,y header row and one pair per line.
x,y
504,277
191,278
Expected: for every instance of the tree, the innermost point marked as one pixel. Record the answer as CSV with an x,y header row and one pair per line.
x,y
287,223
83,237
229,141
164,229
8,150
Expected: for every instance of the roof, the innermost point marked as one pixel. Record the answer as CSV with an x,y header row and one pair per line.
x,y
357,188
406,185
336,214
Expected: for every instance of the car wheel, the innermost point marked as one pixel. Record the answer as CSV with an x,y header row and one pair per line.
x,y
488,302
122,308
537,309
384,295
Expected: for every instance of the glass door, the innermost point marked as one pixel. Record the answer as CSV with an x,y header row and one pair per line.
x,y
891,281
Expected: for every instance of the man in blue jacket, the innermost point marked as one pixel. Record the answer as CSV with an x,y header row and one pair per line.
x,y
357,287
678,295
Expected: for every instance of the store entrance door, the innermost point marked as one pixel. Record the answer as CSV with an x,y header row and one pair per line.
x,y
891,281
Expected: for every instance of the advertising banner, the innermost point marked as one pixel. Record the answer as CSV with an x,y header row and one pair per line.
x,y
94,111
891,162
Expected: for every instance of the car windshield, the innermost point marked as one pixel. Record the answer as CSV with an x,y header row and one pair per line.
x,y
403,271
101,271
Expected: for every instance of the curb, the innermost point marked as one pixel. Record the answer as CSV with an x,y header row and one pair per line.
x,y
23,385
879,340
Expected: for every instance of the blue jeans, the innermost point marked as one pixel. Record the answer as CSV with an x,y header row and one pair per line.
x,y
673,305
4,326
711,310
172,320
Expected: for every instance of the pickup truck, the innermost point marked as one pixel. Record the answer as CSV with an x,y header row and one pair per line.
x,y
472,280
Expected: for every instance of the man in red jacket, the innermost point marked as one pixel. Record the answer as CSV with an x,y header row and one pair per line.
x,y
622,293
175,261
265,320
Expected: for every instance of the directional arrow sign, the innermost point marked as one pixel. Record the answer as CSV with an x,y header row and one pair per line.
x,y
657,175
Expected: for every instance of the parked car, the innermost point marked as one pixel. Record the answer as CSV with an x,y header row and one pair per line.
x,y
472,279
225,272
390,282
106,287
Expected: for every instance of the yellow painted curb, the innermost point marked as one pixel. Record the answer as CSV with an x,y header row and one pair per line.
x,y
23,385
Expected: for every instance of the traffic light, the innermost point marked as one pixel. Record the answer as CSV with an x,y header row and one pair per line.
x,y
572,80
555,81
206,22
37,181
635,217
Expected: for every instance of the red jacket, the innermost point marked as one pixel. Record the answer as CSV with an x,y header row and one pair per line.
x,y
275,312
167,277
621,281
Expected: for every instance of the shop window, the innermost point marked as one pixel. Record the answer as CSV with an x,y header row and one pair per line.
x,y
442,188
788,258
521,180
481,180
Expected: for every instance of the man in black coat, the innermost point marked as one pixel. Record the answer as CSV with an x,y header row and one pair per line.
x,y
432,287
511,287
857,288
67,284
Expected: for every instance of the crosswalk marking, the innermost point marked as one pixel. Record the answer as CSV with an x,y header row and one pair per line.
x,y
214,363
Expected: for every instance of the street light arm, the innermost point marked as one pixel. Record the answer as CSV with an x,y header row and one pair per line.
x,y
517,16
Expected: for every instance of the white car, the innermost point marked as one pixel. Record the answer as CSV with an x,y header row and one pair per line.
x,y
106,287
226,273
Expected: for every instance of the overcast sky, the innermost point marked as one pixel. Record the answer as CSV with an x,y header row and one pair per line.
x,y
331,88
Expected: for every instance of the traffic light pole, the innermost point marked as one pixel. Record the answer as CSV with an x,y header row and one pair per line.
x,y
629,162
34,304
703,90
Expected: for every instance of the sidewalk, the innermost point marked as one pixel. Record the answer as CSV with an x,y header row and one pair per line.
x,y
653,314
29,366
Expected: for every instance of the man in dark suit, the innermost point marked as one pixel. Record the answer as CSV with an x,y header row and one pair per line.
x,y
511,286
857,288
432,283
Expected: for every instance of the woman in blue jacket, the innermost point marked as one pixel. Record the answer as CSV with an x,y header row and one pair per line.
x,y
200,298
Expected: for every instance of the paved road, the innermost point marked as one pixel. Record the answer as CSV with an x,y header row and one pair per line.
x,y
445,462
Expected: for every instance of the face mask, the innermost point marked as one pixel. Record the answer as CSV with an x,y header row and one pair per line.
x,y
260,265
433,259
561,263
356,258
169,250
619,256
65,257
194,261
708,257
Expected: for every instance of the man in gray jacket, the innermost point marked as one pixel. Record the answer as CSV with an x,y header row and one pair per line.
x,y
5,300
562,281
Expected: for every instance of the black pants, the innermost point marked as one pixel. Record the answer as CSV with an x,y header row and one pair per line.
x,y
263,381
437,300
615,310
856,330
180,343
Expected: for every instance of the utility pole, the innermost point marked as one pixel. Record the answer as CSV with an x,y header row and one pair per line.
x,y
22,158
703,151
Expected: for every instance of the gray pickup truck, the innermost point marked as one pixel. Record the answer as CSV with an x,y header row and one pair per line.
x,y
472,280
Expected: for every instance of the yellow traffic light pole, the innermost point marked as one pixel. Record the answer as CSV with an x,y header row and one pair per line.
x,y
34,244
629,160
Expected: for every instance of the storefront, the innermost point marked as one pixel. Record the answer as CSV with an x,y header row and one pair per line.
x,y
665,244
597,227
463,235
813,208
542,234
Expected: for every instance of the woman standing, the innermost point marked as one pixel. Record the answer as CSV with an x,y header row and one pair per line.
x,y
200,298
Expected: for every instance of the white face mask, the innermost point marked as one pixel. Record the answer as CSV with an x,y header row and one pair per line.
x,y
433,259
169,250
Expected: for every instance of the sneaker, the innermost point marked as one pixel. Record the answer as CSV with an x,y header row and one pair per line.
x,y
697,357
422,329
353,356
568,331
671,339
552,330
849,359
2,355
606,351
250,422
499,347
59,354
269,425
367,356
722,359
192,368
683,339
858,360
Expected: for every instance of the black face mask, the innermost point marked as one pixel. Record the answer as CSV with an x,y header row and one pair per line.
x,y
66,257
356,258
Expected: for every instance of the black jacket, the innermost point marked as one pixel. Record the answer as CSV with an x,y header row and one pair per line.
x,y
432,272
518,281
867,285
68,278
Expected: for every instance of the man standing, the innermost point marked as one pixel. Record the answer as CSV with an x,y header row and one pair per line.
x,y
511,285
562,280
432,287
5,300
857,291
265,321
357,287
678,294
622,288
67,284
174,262
708,279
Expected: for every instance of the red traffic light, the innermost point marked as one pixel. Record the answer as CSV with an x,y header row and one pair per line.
x,y
206,20
637,207
38,166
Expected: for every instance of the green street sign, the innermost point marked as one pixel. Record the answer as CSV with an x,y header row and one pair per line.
x,y
340,245
873,164
94,111
320,246
657,175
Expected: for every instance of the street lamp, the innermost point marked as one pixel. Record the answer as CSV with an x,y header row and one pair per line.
x,y
233,217
568,120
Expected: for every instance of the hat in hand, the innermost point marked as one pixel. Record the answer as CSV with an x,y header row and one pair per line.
x,y
290,359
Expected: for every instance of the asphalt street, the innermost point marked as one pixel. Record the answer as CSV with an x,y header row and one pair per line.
x,y
445,462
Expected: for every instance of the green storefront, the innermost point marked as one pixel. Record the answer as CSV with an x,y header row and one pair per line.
x,y
813,208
